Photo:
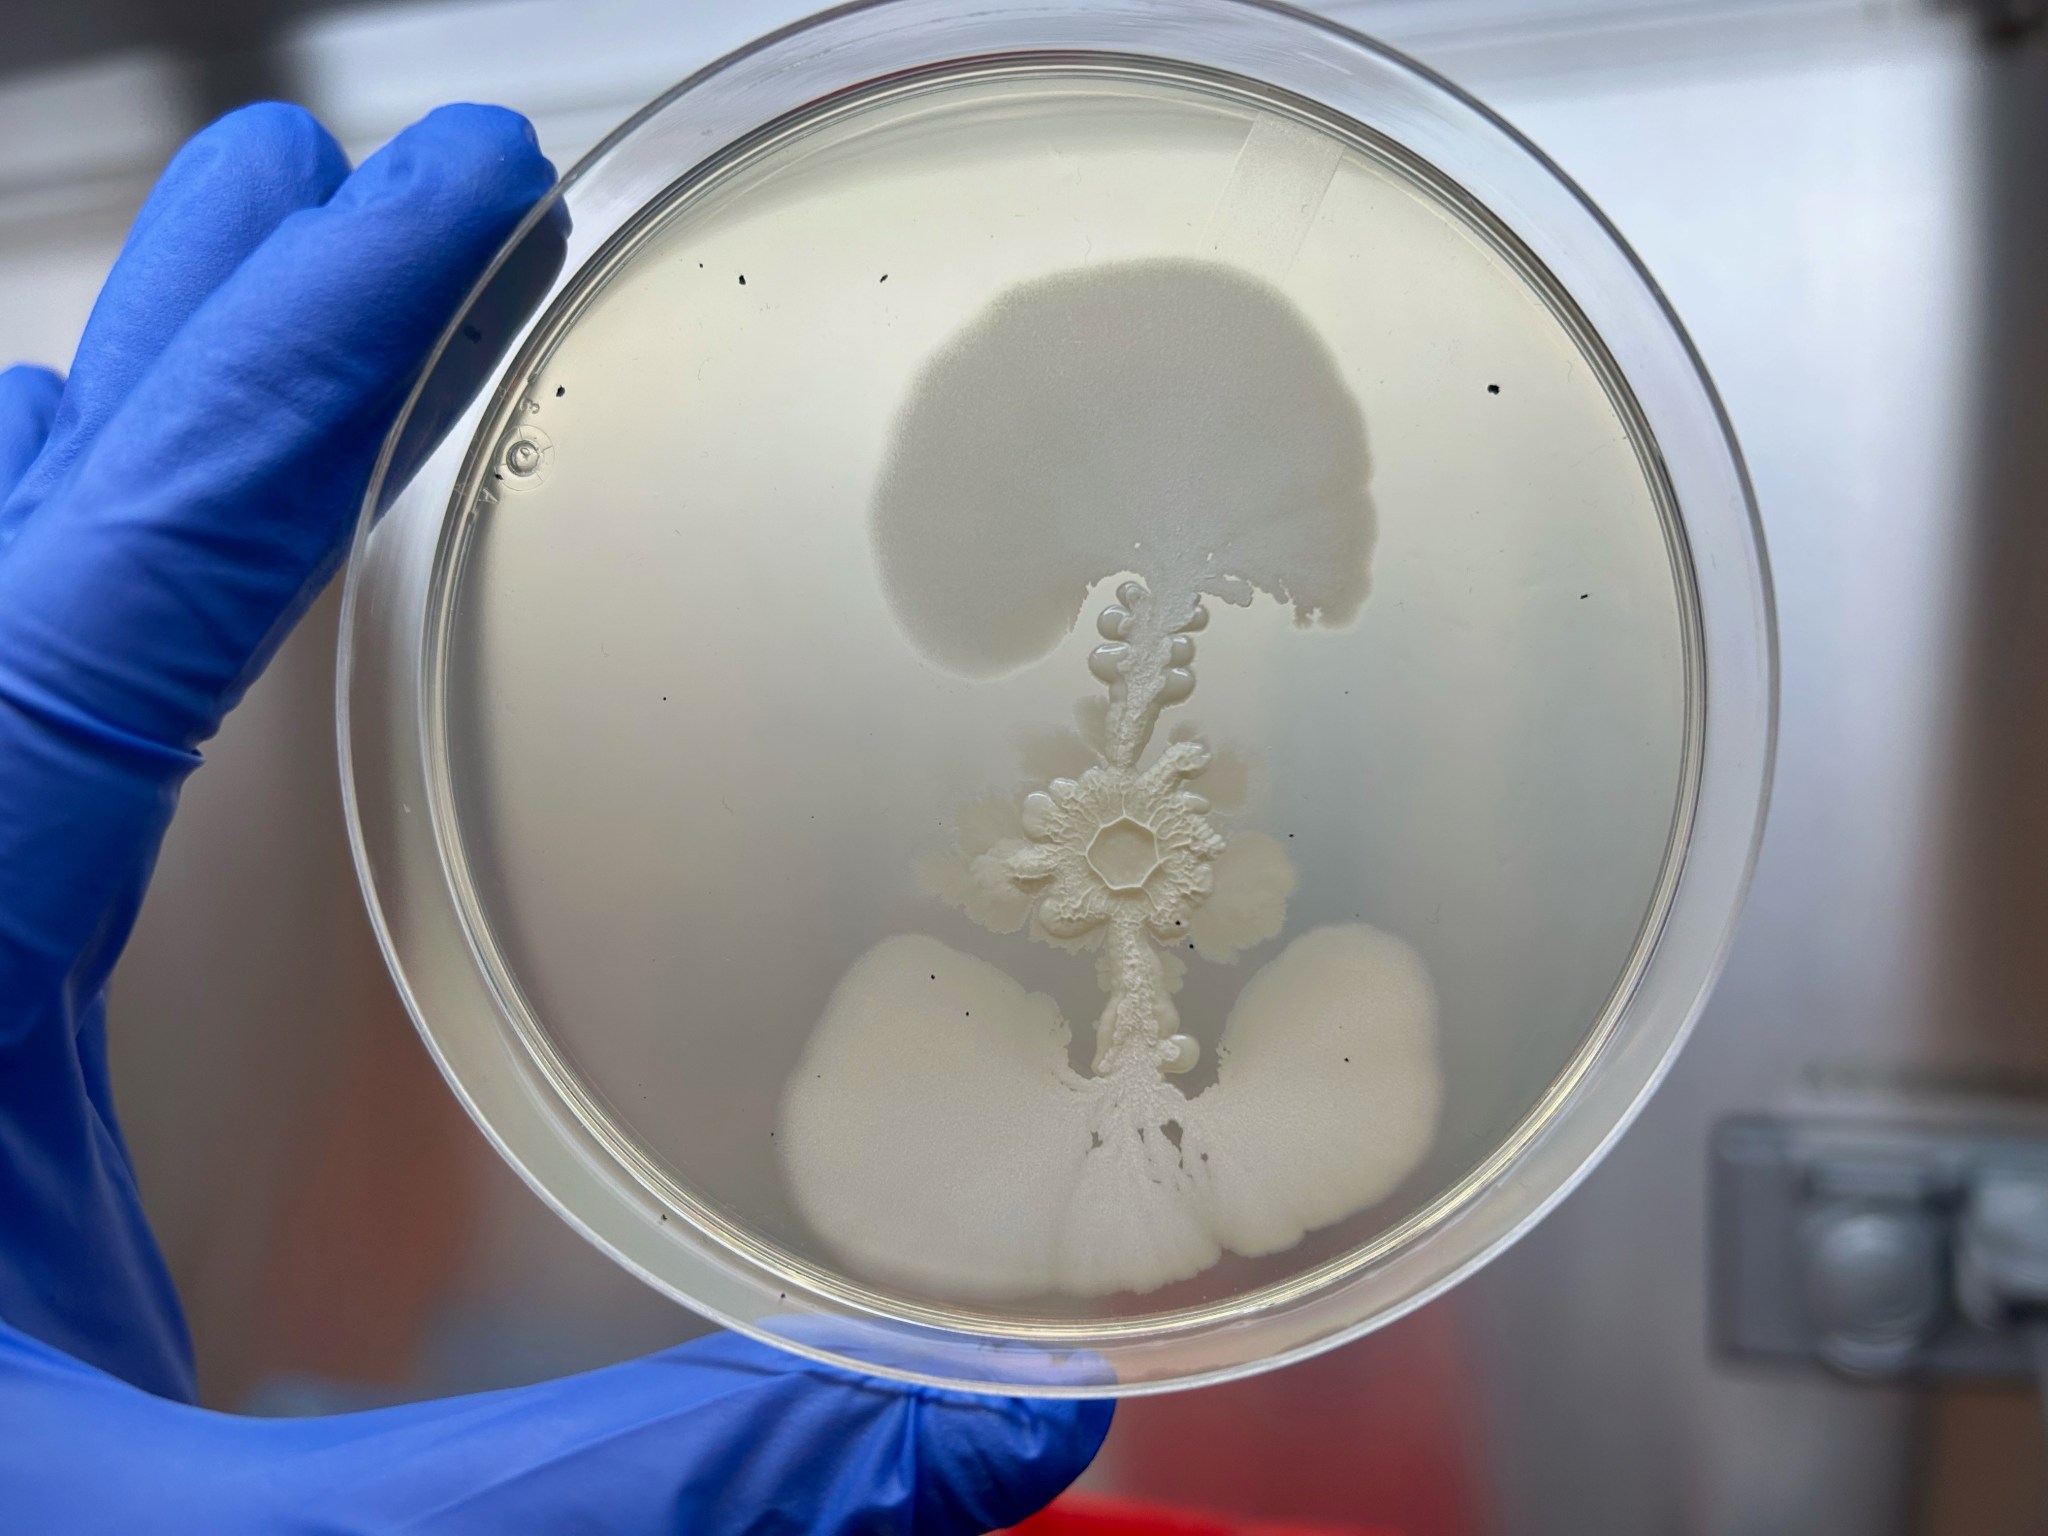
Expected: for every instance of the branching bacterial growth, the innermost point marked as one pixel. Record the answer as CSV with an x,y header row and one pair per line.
x,y
1178,421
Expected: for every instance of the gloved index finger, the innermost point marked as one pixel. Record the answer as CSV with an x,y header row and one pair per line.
x,y
216,499
218,200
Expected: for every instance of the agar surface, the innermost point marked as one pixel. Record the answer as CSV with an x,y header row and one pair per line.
x,y
934,1133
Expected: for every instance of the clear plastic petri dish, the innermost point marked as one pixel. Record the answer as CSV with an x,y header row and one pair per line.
x,y
1064,697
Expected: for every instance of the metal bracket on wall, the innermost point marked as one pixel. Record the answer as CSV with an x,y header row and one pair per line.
x,y
1837,1241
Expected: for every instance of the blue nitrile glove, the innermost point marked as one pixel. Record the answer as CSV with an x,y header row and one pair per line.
x,y
169,513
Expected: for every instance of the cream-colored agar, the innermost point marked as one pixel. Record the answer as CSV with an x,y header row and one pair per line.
x,y
701,767
1179,420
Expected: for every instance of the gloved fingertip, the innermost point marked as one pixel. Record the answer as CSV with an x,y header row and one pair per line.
x,y
221,196
484,161
991,1462
276,157
30,388
287,135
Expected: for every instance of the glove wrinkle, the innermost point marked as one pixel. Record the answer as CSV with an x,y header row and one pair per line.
x,y
28,404
221,196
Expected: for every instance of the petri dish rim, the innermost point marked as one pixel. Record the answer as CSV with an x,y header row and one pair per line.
x,y
589,1104
1726,633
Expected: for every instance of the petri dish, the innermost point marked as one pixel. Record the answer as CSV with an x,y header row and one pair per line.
x,y
1065,698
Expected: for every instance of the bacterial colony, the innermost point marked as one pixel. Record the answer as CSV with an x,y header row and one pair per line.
x,y
1176,423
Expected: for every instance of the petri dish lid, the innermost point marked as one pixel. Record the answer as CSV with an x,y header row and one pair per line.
x,y
1067,697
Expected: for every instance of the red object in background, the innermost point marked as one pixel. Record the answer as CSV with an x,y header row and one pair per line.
x,y
365,1251
1080,1514
1382,1435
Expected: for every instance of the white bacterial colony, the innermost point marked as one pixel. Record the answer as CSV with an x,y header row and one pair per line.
x,y
1177,420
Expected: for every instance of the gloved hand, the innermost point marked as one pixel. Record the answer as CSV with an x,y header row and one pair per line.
x,y
169,512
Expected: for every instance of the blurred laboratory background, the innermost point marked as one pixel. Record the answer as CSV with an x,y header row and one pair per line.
x,y
1847,203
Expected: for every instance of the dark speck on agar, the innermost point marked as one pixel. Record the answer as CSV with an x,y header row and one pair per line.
x,y
883,278
1493,389
561,390
743,279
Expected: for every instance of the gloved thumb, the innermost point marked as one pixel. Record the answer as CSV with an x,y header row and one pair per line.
x,y
719,1435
